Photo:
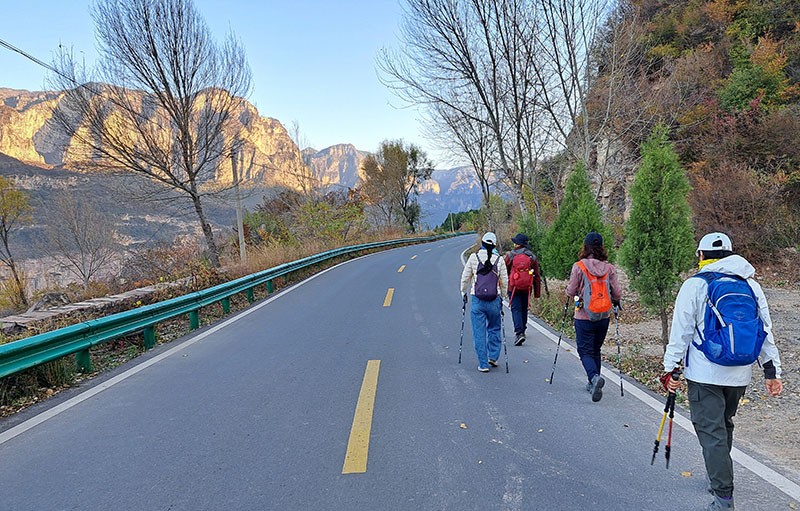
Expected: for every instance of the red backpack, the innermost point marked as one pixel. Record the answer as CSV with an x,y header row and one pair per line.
x,y
521,276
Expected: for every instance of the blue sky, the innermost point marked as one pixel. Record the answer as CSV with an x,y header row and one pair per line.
x,y
313,61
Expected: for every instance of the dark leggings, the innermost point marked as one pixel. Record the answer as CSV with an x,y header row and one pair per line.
x,y
589,335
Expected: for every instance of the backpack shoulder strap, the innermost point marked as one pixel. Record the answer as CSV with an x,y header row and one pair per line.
x,y
708,276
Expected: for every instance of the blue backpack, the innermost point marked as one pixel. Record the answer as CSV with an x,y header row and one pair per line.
x,y
734,332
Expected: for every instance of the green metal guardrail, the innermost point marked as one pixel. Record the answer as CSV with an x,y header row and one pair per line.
x,y
76,339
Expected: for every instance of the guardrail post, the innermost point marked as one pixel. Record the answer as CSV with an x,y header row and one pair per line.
x,y
226,305
84,361
270,286
149,337
194,320
250,297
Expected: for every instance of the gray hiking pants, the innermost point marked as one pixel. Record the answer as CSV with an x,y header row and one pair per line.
x,y
713,408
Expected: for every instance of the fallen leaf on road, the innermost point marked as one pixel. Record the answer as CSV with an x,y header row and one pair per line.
x,y
744,401
686,474
462,426
793,505
541,430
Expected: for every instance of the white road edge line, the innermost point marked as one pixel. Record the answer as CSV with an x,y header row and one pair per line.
x,y
83,396
781,482
769,475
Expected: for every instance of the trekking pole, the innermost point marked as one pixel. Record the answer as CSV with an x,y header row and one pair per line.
x,y
503,328
463,315
661,427
669,405
619,352
563,322
668,447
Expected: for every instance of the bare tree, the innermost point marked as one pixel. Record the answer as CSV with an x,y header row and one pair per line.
x,y
79,237
15,210
164,102
459,54
459,135
392,177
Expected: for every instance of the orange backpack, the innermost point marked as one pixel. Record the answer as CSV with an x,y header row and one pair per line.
x,y
596,294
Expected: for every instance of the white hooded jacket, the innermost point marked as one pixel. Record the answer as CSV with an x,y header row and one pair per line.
x,y
690,307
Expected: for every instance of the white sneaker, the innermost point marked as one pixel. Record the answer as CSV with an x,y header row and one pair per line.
x,y
483,369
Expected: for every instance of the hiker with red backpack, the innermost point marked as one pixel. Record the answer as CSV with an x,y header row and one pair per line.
x,y
593,283
720,327
485,278
523,277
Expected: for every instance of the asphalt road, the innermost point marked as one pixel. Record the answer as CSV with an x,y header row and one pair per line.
x,y
257,412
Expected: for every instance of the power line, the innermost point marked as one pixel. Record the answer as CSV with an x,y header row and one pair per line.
x,y
32,58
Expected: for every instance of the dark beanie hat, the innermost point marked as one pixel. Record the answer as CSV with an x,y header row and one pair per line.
x,y
593,238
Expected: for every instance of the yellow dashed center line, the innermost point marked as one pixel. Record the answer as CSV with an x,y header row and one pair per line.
x,y
428,250
355,460
388,300
400,270
413,257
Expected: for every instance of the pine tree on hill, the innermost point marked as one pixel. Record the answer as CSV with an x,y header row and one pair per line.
x,y
659,239
578,215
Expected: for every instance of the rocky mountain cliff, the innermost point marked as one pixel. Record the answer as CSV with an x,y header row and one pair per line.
x,y
26,134
38,156
336,165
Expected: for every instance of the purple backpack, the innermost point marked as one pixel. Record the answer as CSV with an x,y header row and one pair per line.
x,y
486,280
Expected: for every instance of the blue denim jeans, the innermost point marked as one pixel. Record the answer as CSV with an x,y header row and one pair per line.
x,y
589,336
519,309
486,329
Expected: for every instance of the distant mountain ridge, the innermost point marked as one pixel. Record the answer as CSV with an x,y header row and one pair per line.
x,y
28,137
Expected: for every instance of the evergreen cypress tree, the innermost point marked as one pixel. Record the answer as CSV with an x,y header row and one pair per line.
x,y
579,214
659,239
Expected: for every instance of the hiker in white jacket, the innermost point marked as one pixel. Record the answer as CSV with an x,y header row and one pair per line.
x,y
485,278
714,390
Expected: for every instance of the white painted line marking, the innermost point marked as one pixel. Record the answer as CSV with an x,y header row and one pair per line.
x,y
769,475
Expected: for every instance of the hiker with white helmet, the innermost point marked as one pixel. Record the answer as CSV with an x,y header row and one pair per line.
x,y
485,279
720,327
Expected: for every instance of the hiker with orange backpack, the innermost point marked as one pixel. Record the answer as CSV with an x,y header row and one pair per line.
x,y
593,283
523,277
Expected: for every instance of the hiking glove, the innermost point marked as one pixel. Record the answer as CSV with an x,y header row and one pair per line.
x,y
666,377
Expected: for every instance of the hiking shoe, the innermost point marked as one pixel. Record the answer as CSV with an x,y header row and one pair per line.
x,y
493,362
597,388
483,369
589,387
520,339
721,504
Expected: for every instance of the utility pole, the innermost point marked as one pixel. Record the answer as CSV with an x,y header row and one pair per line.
x,y
239,222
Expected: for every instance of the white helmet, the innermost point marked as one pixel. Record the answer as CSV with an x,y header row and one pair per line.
x,y
714,241
489,237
